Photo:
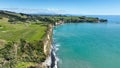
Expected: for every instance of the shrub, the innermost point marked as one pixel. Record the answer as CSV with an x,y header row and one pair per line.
x,y
10,20
1,18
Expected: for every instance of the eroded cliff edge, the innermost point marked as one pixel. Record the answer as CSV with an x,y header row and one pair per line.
x,y
47,43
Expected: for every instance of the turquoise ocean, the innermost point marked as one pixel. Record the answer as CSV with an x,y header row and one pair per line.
x,y
88,45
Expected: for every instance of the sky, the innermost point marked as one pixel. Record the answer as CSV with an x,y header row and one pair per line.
x,y
81,7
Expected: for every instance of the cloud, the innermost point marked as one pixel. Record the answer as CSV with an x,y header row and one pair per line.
x,y
57,11
40,11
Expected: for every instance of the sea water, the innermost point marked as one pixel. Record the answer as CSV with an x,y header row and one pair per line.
x,y
88,45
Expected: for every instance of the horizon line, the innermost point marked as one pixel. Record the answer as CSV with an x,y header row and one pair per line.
x,y
60,13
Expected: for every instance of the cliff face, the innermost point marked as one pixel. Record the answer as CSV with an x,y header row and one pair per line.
x,y
48,40
47,43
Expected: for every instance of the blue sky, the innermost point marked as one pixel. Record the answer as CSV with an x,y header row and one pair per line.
x,y
87,7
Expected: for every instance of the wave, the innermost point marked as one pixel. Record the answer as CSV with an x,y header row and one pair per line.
x,y
54,57
57,45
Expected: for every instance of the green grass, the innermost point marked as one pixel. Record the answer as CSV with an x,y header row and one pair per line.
x,y
14,32
25,64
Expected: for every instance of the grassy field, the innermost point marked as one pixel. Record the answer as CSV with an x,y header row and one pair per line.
x,y
14,32
25,64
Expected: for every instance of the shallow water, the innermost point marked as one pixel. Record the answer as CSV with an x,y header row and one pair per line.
x,y
88,45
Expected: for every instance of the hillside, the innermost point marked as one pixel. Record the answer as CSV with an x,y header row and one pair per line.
x,y
21,43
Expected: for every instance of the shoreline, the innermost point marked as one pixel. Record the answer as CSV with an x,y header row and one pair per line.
x,y
51,60
54,60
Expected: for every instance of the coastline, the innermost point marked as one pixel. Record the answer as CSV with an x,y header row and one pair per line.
x,y
49,47
51,59
54,58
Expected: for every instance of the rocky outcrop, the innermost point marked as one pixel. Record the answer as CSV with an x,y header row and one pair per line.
x,y
59,22
103,20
